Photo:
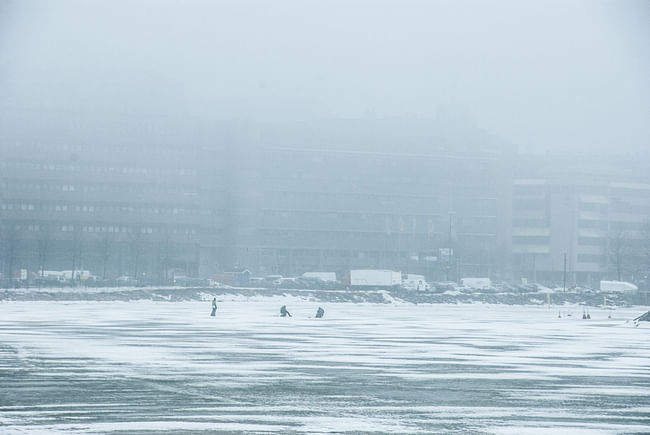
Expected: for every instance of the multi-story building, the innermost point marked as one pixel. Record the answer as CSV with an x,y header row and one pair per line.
x,y
119,195
584,217
116,197
335,210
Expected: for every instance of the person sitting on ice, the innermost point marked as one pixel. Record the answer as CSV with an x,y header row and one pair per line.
x,y
284,312
214,307
320,312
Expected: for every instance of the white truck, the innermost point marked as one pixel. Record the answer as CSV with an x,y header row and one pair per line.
x,y
618,287
67,275
411,281
375,278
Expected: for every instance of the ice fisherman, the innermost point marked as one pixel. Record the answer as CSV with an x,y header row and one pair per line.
x,y
284,312
320,312
214,307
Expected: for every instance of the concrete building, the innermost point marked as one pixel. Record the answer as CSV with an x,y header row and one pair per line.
x,y
589,211
338,210
152,198
116,197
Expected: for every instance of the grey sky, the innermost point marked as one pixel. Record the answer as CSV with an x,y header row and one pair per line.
x,y
542,74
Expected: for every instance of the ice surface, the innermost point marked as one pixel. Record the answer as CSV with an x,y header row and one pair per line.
x,y
107,366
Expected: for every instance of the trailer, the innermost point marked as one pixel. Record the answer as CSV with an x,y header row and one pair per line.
x,y
375,278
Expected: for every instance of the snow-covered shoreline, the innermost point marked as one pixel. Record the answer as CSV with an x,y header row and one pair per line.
x,y
173,294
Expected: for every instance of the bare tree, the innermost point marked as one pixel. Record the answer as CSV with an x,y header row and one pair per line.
x,y
43,243
77,250
10,247
164,246
644,251
105,252
622,250
136,248
616,251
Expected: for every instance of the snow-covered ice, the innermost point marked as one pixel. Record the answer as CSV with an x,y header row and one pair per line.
x,y
121,367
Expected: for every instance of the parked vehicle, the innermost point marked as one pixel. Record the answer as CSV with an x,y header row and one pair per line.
x,y
375,278
412,281
274,280
126,280
444,286
618,287
323,276
476,283
53,276
235,278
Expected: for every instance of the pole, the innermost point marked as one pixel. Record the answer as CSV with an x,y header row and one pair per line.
x,y
448,265
449,247
564,282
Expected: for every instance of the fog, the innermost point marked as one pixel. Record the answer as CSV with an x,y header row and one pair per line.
x,y
543,75
324,216
153,138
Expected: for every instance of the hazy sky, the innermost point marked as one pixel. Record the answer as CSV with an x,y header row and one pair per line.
x,y
542,74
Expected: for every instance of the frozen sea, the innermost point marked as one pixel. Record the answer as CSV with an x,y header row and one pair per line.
x,y
168,367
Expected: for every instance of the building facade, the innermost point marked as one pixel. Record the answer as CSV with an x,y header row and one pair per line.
x,y
334,210
580,220
160,198
118,198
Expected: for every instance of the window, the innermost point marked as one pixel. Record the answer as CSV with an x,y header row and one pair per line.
x,y
590,258
531,240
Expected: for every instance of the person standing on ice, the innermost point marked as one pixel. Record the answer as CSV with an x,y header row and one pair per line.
x,y
214,307
284,312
